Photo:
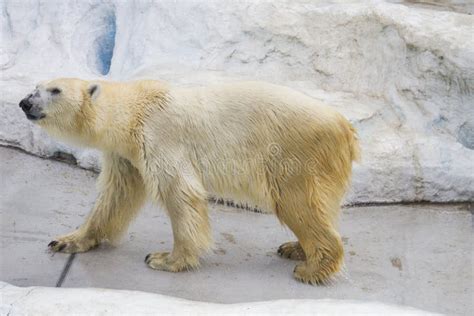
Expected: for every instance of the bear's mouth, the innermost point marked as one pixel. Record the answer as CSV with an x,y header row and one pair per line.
x,y
32,117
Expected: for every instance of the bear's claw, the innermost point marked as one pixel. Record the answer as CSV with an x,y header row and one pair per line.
x,y
292,250
56,246
166,262
73,243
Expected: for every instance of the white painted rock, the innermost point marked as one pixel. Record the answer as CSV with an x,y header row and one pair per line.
x,y
403,75
16,301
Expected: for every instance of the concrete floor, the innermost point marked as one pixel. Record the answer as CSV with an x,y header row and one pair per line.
x,y
412,255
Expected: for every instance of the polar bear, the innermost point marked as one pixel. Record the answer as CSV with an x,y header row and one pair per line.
x,y
247,141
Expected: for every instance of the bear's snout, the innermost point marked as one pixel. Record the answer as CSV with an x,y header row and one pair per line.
x,y
26,105
32,112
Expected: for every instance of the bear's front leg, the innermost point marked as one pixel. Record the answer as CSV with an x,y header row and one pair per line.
x,y
122,193
185,201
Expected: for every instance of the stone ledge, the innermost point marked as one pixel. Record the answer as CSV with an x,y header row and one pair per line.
x,y
61,301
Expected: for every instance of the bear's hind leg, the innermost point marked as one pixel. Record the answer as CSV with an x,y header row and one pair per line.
x,y
187,207
324,256
316,235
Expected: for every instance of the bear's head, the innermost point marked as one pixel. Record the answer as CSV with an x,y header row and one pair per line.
x,y
57,105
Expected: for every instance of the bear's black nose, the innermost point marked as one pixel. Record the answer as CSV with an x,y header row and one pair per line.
x,y
25,105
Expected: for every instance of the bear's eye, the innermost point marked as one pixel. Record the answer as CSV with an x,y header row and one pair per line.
x,y
55,91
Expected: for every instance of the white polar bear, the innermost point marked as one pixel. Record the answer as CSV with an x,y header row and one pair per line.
x,y
248,141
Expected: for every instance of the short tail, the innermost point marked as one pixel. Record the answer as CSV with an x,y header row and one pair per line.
x,y
354,145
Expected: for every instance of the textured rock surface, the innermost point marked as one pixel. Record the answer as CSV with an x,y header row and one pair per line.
x,y
404,75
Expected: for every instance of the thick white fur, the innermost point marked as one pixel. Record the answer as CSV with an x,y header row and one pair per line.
x,y
249,141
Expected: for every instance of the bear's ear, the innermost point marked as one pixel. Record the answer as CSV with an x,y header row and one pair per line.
x,y
94,90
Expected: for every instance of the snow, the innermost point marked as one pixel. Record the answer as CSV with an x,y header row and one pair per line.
x,y
402,74
62,301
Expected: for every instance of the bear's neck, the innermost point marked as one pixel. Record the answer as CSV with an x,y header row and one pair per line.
x,y
118,126
113,133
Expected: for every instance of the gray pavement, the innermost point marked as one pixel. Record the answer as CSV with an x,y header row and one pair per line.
x,y
415,255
